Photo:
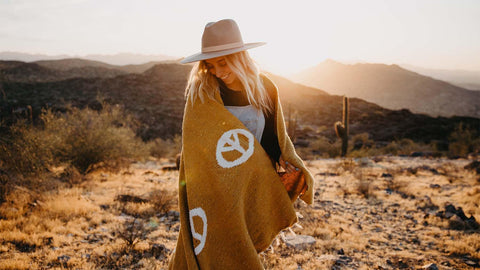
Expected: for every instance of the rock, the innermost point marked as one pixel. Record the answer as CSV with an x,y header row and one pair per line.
x,y
173,213
425,204
474,166
299,241
461,214
450,209
440,214
435,186
48,241
456,223
159,251
472,223
402,265
430,266
471,263
343,261
446,263
63,258
457,218
385,175
448,214
169,168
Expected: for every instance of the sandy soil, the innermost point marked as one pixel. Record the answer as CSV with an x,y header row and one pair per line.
x,y
371,213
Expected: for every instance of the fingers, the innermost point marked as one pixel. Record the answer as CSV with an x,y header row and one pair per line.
x,y
301,186
305,187
287,166
290,168
282,163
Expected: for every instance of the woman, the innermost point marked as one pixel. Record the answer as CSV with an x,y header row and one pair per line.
x,y
232,200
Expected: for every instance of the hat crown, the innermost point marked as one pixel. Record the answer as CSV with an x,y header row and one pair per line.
x,y
221,35
219,39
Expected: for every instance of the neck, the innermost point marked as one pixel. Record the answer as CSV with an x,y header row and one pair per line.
x,y
236,85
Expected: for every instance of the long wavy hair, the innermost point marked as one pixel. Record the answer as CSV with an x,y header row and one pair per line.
x,y
203,84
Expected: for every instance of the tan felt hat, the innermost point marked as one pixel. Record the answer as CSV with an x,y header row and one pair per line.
x,y
219,39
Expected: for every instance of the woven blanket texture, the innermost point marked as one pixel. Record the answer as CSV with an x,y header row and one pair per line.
x,y
232,202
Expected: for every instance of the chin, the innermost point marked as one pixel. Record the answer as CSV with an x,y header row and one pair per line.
x,y
228,82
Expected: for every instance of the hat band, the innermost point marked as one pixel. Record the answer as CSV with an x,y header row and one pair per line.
x,y
222,47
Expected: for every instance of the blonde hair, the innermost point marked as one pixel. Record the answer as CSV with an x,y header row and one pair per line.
x,y
202,83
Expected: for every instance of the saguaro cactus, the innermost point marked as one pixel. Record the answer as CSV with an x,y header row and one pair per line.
x,y
341,129
291,122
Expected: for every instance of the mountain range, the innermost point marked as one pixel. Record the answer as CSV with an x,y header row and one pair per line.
x,y
393,87
155,98
463,78
119,59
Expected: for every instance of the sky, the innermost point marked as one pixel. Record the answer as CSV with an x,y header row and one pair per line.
x,y
441,34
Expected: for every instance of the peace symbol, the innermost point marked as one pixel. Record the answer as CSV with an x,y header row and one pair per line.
x,y
230,142
201,237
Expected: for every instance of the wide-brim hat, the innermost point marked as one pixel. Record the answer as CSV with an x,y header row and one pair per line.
x,y
219,39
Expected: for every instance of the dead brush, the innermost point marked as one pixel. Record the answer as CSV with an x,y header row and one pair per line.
x,y
364,185
398,186
132,231
72,176
163,200
348,165
133,206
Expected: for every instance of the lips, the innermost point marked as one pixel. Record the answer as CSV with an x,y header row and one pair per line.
x,y
224,77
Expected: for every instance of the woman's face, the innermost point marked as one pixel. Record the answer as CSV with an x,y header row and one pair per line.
x,y
219,68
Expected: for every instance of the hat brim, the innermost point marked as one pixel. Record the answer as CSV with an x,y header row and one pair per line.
x,y
209,55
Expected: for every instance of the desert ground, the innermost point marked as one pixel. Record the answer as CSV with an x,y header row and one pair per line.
x,y
384,212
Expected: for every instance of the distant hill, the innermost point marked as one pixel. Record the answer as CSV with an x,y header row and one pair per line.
x,y
48,71
392,87
71,63
156,99
463,78
62,69
118,59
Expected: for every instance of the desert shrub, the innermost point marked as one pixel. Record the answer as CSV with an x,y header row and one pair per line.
x,y
361,140
401,147
405,147
463,141
325,148
168,148
364,185
86,137
79,137
163,200
362,146
25,151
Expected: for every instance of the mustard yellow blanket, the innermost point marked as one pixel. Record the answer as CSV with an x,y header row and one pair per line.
x,y
232,202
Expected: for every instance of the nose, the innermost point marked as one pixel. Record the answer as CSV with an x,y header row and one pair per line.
x,y
219,71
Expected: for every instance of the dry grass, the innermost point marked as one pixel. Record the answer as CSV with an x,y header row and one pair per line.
x,y
368,214
85,227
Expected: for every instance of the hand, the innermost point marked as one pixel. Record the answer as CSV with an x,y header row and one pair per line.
x,y
294,183
287,166
297,188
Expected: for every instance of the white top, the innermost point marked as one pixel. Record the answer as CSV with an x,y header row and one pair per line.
x,y
251,117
